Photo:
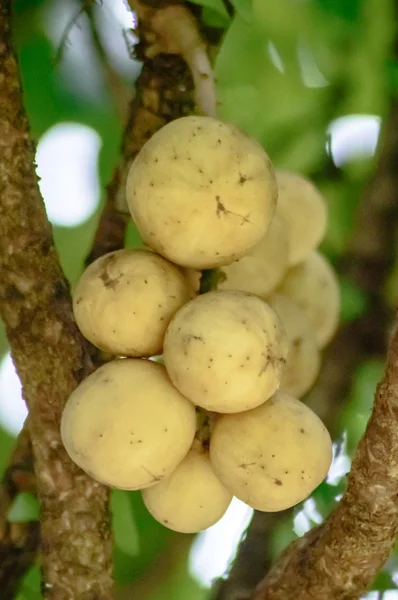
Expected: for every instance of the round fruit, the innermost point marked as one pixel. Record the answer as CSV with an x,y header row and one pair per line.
x,y
314,286
226,351
273,456
192,498
304,210
125,300
262,268
201,192
304,358
126,425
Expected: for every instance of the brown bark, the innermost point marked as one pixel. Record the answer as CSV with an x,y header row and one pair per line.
x,y
339,559
164,91
49,354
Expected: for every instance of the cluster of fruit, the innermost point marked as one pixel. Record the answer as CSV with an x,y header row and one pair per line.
x,y
215,411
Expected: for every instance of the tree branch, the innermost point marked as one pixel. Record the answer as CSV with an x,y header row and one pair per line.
x,y
164,91
340,558
367,263
49,354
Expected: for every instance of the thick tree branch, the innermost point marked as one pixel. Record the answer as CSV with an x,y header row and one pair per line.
x,y
49,354
339,559
164,92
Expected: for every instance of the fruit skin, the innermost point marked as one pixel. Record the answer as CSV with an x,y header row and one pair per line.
x,y
271,457
314,286
192,498
263,267
304,358
126,425
226,351
124,301
304,210
201,192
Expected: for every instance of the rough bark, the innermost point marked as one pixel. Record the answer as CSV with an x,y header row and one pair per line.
x,y
339,559
164,91
49,354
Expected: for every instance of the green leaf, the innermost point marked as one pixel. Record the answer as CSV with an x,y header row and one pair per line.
x,y
383,582
123,523
211,18
215,5
24,508
153,539
31,585
353,301
244,9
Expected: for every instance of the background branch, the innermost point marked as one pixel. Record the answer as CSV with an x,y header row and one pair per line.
x,y
340,558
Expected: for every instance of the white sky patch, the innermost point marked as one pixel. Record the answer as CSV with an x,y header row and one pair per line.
x,y
341,463
353,136
310,72
123,13
67,162
385,595
312,512
214,549
301,523
275,57
13,411
115,21
80,66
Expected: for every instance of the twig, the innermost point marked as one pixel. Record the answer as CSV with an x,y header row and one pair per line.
x,y
118,89
164,91
339,559
18,476
49,354
18,542
18,547
173,29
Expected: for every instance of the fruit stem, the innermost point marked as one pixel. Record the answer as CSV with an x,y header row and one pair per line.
x,y
210,279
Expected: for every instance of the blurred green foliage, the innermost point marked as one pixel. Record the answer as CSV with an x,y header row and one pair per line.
x,y
285,70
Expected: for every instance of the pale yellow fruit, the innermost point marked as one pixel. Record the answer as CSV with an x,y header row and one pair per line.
x,y
314,286
304,358
262,268
192,498
226,351
126,425
201,192
304,210
271,457
124,301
